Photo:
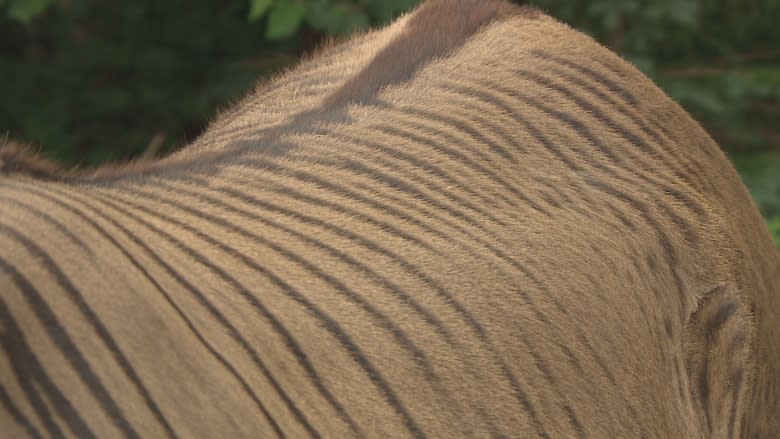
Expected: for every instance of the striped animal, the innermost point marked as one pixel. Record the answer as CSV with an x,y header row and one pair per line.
x,y
476,222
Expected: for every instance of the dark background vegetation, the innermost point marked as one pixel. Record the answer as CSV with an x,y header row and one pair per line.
x,y
92,81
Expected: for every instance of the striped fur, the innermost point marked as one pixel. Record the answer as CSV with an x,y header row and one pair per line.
x,y
476,222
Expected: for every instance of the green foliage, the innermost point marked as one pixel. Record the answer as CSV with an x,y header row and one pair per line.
x,y
258,8
774,227
98,81
284,19
26,10
761,173
95,81
718,58
333,17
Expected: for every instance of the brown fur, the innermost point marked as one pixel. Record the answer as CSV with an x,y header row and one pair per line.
x,y
476,222
18,159
436,29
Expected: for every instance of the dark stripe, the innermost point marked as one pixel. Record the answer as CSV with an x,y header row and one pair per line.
x,y
291,193
455,124
384,321
396,63
492,122
554,186
419,161
595,395
736,387
417,354
68,348
625,94
244,197
414,193
29,372
621,216
652,262
549,199
658,132
432,32
201,298
561,398
625,133
632,113
51,220
330,325
266,167
191,326
720,318
404,186
270,167
662,236
608,373
703,387
541,317
11,408
683,367
459,158
668,328
456,189
574,421
170,300
501,104
567,119
737,342
446,296
471,321
396,155
581,128
610,85
519,393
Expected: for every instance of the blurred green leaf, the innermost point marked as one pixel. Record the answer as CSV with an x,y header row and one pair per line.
x,y
774,228
335,19
25,10
258,8
284,19
761,173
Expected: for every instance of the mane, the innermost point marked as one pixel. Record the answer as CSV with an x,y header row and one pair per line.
x,y
20,159
435,29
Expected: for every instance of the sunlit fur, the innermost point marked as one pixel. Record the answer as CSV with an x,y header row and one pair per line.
x,y
476,222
